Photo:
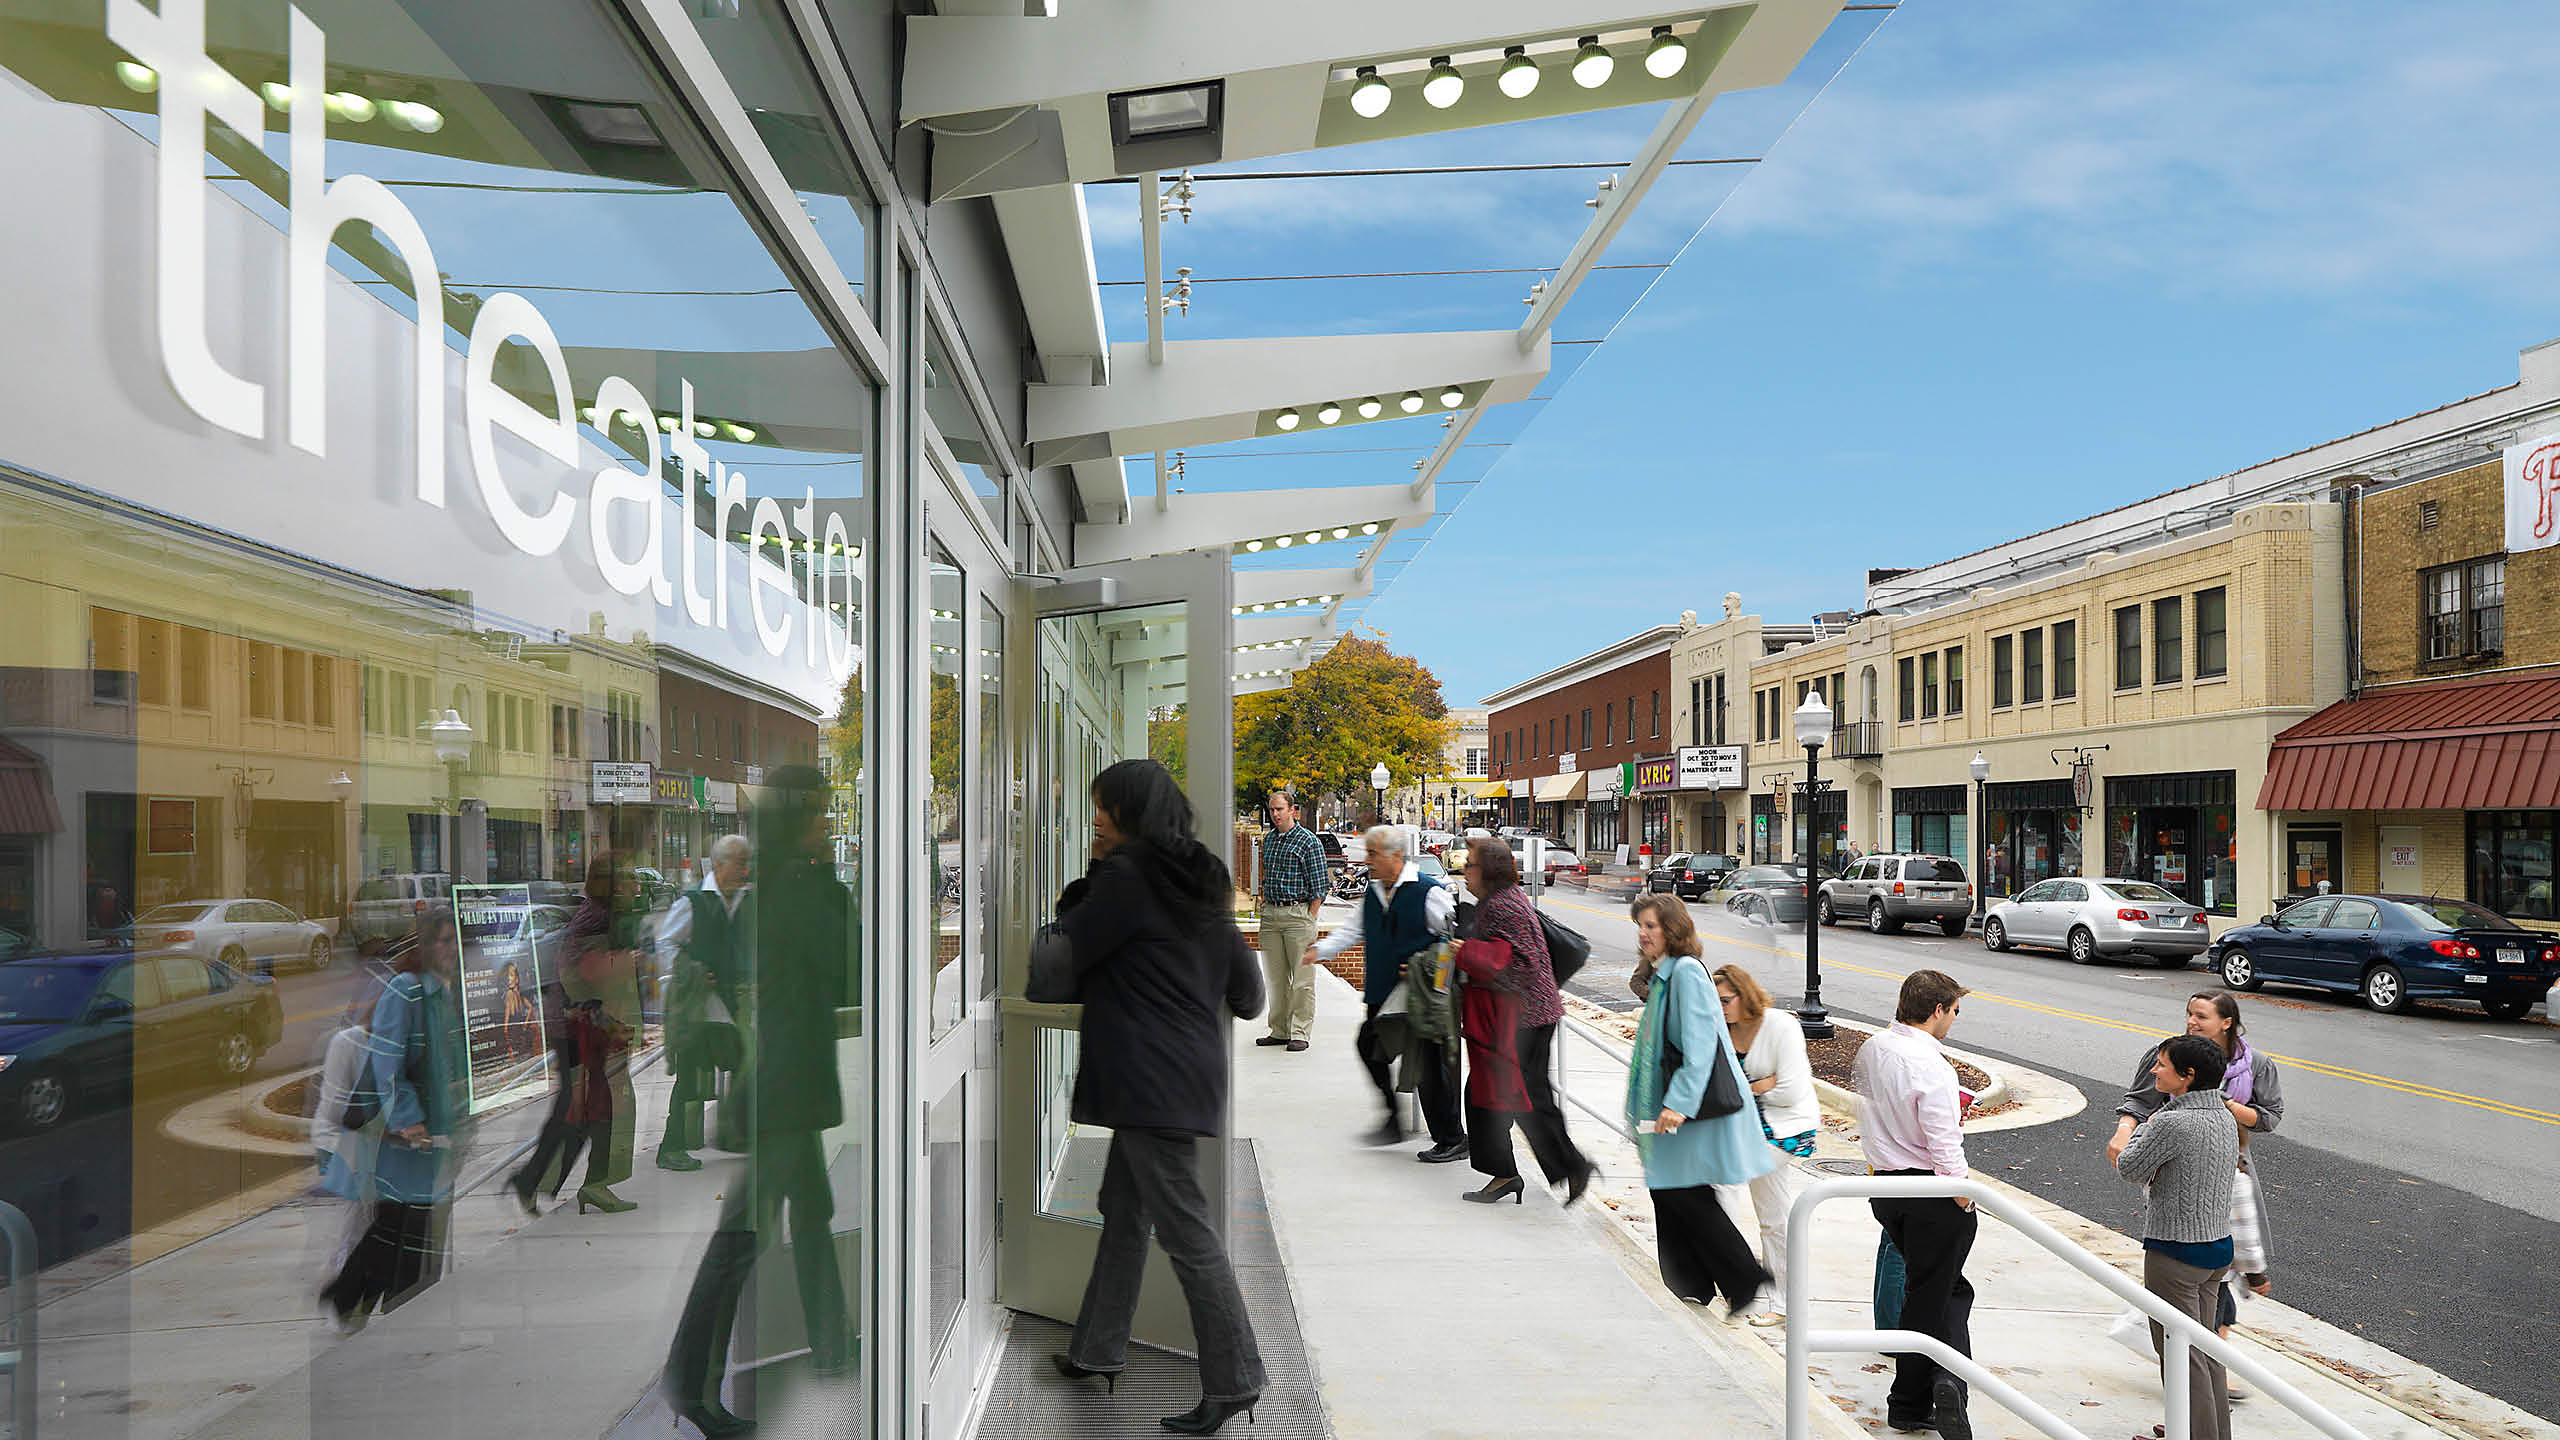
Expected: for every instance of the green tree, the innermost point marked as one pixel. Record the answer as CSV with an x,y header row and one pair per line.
x,y
1359,705
1169,740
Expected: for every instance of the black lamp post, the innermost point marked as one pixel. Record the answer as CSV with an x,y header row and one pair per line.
x,y
1981,849
1813,729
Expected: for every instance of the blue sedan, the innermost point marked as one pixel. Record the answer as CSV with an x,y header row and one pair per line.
x,y
2393,949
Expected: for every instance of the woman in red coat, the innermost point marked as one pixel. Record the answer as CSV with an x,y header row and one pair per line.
x,y
1510,1012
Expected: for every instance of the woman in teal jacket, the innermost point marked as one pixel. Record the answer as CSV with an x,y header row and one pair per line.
x,y
1686,1157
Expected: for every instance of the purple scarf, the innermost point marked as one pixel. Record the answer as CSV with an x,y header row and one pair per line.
x,y
2239,1074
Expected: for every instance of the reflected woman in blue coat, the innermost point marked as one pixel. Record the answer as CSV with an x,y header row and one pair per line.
x,y
1686,1156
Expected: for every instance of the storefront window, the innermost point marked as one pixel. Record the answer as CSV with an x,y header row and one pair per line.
x,y
2512,868
947,759
2175,831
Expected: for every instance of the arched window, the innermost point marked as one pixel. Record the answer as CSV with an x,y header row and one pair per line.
x,y
1867,693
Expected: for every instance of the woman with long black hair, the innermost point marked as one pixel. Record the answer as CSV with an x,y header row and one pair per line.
x,y
1149,945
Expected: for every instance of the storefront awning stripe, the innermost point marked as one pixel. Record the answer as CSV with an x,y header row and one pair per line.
x,y
1556,788
2491,745
1495,791
26,801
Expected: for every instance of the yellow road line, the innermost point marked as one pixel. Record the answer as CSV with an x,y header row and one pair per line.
x,y
2425,1092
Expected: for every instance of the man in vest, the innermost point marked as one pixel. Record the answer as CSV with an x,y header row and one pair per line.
x,y
702,930
1404,911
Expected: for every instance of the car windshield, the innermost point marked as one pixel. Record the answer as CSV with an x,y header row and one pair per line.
x,y
172,914
2144,891
1765,875
1927,868
2442,915
31,994
1430,865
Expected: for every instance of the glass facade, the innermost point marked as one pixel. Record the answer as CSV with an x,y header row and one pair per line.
x,y
2176,832
2030,832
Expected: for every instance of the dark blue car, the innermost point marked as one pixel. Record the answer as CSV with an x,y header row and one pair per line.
x,y
2393,949
80,1029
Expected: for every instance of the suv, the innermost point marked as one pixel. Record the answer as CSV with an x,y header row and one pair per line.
x,y
1690,875
1890,889
387,906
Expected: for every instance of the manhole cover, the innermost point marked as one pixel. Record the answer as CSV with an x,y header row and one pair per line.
x,y
1841,1167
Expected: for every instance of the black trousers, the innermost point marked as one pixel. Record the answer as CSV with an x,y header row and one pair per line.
x,y
1151,1185
1934,1236
560,1141
1436,1086
786,1168
1489,1131
394,1259
1703,1252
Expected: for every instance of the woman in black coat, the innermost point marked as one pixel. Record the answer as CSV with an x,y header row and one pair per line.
x,y
1150,939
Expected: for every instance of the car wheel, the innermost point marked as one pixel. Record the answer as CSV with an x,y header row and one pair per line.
x,y
1878,922
1951,926
233,957
1822,909
322,953
1995,936
2239,971
2386,990
2507,1009
233,1055
44,1098
2084,946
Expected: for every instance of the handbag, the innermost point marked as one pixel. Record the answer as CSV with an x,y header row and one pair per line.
x,y
1723,1093
1052,980
1567,950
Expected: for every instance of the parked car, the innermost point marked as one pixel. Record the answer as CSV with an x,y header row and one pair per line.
x,y
254,935
79,1029
1560,863
2088,919
1689,875
388,905
1771,894
1889,889
2393,949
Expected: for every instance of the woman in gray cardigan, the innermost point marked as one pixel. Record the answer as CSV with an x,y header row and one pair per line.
x,y
2184,1156
2251,1091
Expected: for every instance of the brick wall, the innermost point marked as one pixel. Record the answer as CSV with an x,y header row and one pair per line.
x,y
1642,679
2470,510
1351,966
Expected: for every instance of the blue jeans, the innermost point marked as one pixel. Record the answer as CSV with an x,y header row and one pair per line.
x,y
1153,1182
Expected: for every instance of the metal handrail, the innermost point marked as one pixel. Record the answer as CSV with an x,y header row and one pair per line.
x,y
2180,1330
19,1360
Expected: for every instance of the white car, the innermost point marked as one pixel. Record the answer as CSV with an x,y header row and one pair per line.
x,y
253,935
388,905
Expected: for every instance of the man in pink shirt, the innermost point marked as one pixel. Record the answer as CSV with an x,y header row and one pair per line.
x,y
1909,1110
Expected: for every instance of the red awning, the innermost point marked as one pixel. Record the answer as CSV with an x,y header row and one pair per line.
x,y
26,801
2487,745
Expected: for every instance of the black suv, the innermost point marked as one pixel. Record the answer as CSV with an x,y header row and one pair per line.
x,y
1690,875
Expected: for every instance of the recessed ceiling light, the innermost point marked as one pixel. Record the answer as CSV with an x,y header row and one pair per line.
x,y
1369,94
1284,541
1313,536
1666,55
279,95
1411,402
1253,544
137,77
1370,407
1452,397
1341,532
349,106
743,434
1369,529
1592,66
1327,413
1286,420
1519,74
413,115
1445,86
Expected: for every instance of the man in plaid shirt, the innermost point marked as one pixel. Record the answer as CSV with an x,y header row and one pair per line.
x,y
1294,882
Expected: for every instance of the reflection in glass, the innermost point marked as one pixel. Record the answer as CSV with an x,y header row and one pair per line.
x,y
1071,1155
946,1206
998,808
947,759
947,405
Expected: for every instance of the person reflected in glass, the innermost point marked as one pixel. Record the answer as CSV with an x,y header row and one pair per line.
x,y
700,937
345,1153
793,977
414,1068
594,1011
1160,968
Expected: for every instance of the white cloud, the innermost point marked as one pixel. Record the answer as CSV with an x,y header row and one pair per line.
x,y
2344,149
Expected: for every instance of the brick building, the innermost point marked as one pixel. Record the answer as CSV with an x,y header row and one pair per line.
x,y
1566,742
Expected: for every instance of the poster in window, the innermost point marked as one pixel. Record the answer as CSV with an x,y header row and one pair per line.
x,y
505,941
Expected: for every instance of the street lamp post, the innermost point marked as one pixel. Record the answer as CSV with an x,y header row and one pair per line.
x,y
1812,729
1715,807
1981,827
1378,781
452,736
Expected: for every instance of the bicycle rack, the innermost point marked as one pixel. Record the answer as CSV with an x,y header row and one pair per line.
x,y
18,1362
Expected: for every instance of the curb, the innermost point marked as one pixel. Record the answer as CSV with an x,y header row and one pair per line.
x,y
259,1118
1843,1102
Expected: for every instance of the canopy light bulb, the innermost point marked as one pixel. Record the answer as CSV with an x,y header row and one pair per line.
x,y
1287,420
1314,536
1445,86
1411,402
587,413
1329,413
1667,54
1592,66
1253,544
1370,407
1452,398
1284,541
414,115
1369,529
1341,532
705,429
1369,94
743,434
137,77
667,424
349,106
1518,75
279,95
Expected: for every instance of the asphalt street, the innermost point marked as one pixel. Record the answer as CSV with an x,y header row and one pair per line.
x,y
2414,1184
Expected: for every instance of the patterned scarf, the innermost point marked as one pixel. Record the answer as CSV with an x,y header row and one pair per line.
x,y
2239,1077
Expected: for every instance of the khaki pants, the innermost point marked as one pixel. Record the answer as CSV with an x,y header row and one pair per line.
x,y
2197,1293
1289,987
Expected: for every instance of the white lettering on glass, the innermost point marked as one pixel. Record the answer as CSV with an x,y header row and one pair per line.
x,y
613,485
765,573
486,407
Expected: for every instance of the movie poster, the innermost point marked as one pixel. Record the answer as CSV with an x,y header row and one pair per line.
x,y
503,955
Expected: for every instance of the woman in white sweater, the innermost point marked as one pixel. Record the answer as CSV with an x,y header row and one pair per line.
x,y
1771,1046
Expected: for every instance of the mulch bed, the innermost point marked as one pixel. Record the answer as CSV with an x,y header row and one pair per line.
x,y
1833,1058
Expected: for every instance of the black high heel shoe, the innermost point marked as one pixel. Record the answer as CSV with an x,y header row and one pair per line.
x,y
1573,1188
1074,1371
522,1183
1495,1192
1205,1417
715,1422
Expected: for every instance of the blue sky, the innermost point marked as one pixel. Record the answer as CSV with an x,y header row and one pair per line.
x,y
2019,262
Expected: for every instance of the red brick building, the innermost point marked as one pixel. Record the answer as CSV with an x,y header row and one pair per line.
x,y
1562,740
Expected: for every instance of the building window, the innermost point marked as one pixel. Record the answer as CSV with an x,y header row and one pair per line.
x,y
1719,712
1609,723
2465,609
1631,720
297,687
1955,679
110,656
2213,633
2003,648
1657,714
195,668
1586,729
1907,697
2031,667
262,680
1929,686
2168,644
2511,861
324,693
2129,648
1551,737
153,637
2066,659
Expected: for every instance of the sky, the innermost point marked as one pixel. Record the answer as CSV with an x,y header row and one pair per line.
x,y
1999,265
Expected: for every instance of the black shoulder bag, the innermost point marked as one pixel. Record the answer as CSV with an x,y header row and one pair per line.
x,y
1567,950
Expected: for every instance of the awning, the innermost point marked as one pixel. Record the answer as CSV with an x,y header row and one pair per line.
x,y
2490,745
1552,788
1499,789
26,801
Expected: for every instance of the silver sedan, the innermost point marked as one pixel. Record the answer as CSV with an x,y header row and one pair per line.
x,y
2088,919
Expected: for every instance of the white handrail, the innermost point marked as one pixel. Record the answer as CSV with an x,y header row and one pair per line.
x,y
2181,1331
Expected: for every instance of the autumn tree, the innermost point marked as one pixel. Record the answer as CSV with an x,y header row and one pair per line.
x,y
1358,705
